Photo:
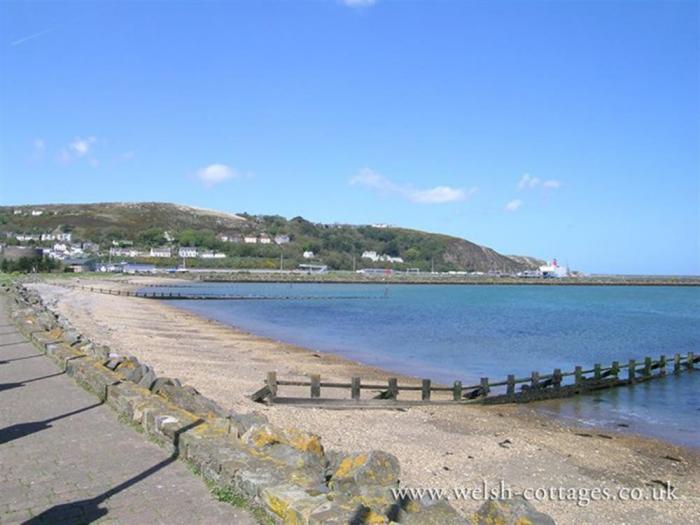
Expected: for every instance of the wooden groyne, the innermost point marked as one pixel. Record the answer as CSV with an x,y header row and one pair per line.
x,y
174,296
536,387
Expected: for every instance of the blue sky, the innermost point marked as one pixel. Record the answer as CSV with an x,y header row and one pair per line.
x,y
554,129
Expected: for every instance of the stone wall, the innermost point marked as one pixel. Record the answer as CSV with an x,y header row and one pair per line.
x,y
285,471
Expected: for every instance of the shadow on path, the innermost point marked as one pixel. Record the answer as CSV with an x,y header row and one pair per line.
x,y
5,361
8,386
15,343
21,430
89,510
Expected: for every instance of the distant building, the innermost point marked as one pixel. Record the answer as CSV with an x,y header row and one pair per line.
x,y
281,239
132,268
212,255
25,237
80,264
187,251
90,246
36,213
313,268
308,254
249,239
554,270
18,212
161,252
264,239
371,255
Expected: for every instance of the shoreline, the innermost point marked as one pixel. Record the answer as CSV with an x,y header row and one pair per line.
x,y
437,446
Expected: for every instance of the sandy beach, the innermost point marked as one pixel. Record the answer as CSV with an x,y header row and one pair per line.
x,y
441,447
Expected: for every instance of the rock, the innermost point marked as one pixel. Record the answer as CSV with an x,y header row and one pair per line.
x,y
242,422
432,512
136,374
371,468
515,511
149,376
163,381
72,337
293,504
267,435
185,398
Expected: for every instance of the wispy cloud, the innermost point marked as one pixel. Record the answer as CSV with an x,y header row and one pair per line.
x,y
369,178
552,184
514,205
215,174
81,147
27,38
359,3
527,181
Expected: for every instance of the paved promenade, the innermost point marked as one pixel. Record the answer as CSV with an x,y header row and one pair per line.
x,y
65,459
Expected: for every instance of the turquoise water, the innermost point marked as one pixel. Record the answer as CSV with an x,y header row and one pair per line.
x,y
466,332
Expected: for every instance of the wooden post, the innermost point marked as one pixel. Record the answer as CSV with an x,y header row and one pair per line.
x,y
578,375
356,387
677,363
510,388
632,372
485,386
315,385
596,371
691,361
535,380
615,369
662,365
457,391
556,378
272,384
647,366
425,390
393,388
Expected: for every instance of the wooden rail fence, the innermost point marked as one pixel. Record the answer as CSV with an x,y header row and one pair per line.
x,y
536,387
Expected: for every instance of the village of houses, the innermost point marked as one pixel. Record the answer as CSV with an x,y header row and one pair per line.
x,y
88,256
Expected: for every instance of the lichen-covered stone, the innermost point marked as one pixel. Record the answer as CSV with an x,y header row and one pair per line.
x,y
292,504
375,467
185,398
434,512
242,422
266,435
514,511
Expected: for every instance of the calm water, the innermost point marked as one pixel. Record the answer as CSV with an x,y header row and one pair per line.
x,y
468,332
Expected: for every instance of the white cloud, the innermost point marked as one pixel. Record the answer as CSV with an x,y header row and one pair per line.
x,y
437,195
39,145
441,194
514,205
359,3
81,147
552,184
215,174
527,181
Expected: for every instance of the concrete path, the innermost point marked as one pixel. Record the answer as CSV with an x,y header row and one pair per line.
x,y
65,459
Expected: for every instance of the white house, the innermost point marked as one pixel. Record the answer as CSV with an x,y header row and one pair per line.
x,y
281,239
249,239
264,239
48,237
60,247
308,254
64,236
187,251
161,252
371,256
28,237
18,212
212,255
36,213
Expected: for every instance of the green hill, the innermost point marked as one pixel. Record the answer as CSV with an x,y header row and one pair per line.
x,y
340,247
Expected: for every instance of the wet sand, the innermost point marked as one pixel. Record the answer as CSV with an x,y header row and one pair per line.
x,y
441,447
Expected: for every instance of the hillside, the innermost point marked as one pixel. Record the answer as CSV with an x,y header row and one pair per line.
x,y
339,246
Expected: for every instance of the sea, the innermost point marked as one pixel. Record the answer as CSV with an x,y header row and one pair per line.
x,y
465,332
